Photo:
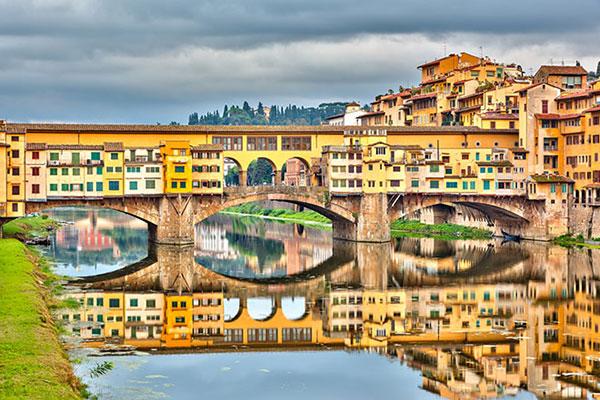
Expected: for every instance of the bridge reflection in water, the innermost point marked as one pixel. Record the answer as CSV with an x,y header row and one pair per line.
x,y
478,319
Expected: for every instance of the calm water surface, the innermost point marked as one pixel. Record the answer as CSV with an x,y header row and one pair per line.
x,y
259,309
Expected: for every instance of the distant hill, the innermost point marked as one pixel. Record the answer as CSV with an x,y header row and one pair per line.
x,y
262,115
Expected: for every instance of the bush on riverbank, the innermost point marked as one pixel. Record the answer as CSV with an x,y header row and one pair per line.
x,y
33,363
36,228
403,227
284,213
575,241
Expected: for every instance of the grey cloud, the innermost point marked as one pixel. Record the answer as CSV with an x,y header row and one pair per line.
x,y
148,61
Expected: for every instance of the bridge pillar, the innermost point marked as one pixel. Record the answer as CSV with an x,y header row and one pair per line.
x,y
243,176
372,221
176,221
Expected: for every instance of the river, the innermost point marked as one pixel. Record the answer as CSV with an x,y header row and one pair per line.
x,y
263,309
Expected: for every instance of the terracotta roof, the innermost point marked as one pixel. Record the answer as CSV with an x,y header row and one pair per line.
x,y
335,116
562,70
423,96
548,178
113,146
434,80
526,88
36,146
593,109
370,114
470,108
468,96
500,116
547,116
519,150
178,130
463,81
205,147
570,116
501,163
75,147
574,95
352,103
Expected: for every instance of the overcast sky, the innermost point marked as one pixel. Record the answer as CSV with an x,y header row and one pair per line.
x,y
153,61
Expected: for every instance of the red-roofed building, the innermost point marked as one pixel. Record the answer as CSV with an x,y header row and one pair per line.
x,y
568,77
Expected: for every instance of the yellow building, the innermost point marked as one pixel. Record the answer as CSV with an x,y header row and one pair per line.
x,y
178,324
207,169
114,182
177,164
143,171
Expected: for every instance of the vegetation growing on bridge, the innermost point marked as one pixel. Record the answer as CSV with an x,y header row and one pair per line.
x,y
36,228
34,366
306,216
404,227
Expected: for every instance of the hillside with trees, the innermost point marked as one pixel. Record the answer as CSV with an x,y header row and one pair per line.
x,y
274,115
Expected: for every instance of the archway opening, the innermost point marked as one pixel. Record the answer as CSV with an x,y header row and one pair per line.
x,y
231,172
296,172
261,172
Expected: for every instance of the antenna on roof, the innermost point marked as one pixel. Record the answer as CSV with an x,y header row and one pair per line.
x,y
444,49
481,52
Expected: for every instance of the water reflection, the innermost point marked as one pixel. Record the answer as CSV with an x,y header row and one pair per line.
x,y
456,319
96,241
254,248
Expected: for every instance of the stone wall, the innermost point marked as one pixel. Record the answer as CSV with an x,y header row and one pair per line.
x,y
584,220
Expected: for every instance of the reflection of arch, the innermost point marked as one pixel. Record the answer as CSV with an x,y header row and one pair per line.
x,y
297,172
232,309
294,308
261,308
144,209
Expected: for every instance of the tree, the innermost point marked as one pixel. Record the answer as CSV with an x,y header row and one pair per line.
x,y
260,172
174,123
247,109
193,119
225,111
232,177
260,110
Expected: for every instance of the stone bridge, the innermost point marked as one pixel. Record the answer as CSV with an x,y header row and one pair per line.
x,y
360,218
532,219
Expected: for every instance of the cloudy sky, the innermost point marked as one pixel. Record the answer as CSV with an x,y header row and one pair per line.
x,y
156,60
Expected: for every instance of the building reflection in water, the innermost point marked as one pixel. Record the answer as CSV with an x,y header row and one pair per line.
x,y
96,240
477,319
248,248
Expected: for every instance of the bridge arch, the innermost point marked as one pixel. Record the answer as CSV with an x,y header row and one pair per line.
x,y
314,201
491,206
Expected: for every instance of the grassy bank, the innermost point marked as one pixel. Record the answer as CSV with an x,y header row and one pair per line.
x,y
576,241
404,228
30,228
33,364
306,216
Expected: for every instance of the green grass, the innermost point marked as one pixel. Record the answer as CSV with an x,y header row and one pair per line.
x,y
33,364
574,241
282,213
29,227
411,228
